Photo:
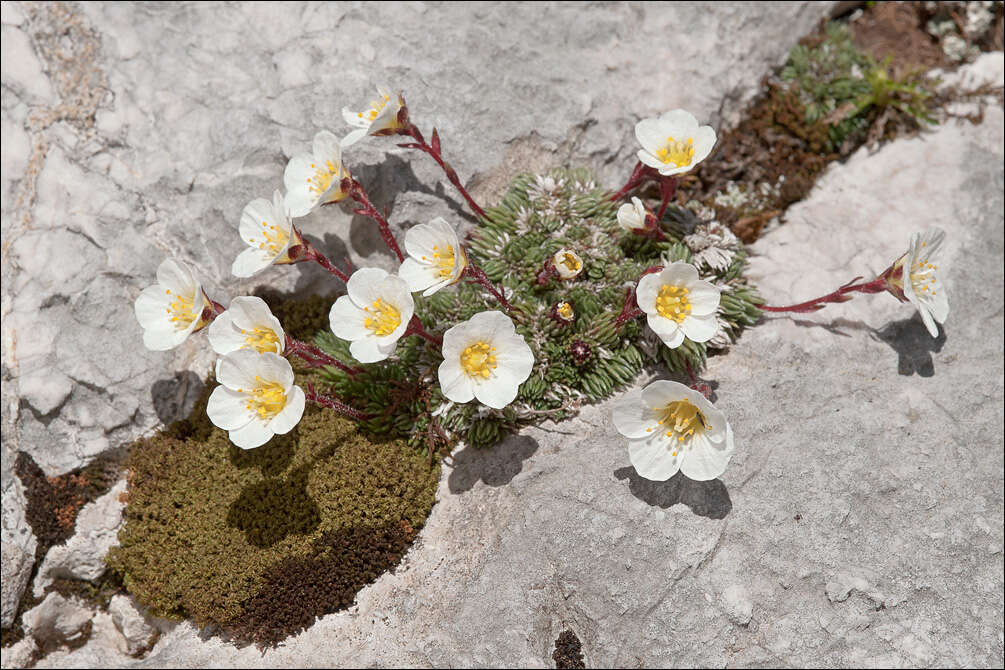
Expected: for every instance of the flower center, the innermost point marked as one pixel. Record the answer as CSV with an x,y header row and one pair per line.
x,y
260,339
323,177
181,310
267,399
376,106
275,240
922,276
677,152
680,419
672,303
445,260
570,261
383,317
478,360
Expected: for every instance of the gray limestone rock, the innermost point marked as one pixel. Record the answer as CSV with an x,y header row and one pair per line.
x,y
57,620
16,538
137,632
83,555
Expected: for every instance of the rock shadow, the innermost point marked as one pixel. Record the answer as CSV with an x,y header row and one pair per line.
x,y
708,499
496,465
274,508
174,397
913,344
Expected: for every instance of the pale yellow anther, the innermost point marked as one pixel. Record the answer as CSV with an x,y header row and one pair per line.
x,y
384,318
477,360
180,310
682,418
261,339
678,152
672,303
267,399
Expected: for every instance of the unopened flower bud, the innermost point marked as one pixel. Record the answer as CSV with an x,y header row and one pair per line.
x,y
567,263
562,313
580,352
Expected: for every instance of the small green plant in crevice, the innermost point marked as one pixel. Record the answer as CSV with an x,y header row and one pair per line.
x,y
852,96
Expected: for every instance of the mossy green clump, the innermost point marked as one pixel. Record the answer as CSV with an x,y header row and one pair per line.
x,y
579,362
213,532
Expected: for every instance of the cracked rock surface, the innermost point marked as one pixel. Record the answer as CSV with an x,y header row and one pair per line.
x,y
860,522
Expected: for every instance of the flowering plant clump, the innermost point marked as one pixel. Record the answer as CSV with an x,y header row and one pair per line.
x,y
531,314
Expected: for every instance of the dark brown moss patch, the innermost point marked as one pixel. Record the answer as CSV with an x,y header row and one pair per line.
x,y
568,651
261,542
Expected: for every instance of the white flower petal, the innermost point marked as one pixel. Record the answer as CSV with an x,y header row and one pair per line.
x,y
664,327
354,137
704,142
700,328
703,460
275,368
290,415
347,320
250,262
176,276
160,339
650,134
255,434
418,276
926,316
646,292
647,158
238,369
652,458
704,298
363,286
515,356
679,273
327,148
367,350
939,303
152,306
454,383
228,409
632,417
498,391
224,337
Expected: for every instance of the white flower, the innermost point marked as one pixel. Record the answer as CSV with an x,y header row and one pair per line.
x,y
917,279
256,398
313,179
269,234
672,428
374,315
678,304
247,324
380,119
632,216
673,143
484,358
436,258
567,263
171,310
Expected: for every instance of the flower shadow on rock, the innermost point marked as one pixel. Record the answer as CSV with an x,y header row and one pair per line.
x,y
496,466
174,397
270,510
915,346
708,499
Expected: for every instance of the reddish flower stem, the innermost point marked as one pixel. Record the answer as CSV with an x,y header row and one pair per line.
x,y
366,208
433,149
877,285
639,174
476,275
333,403
415,327
309,252
316,358
631,309
668,188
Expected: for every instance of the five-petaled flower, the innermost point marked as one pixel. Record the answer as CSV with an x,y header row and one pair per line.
x,y
914,278
256,398
247,324
269,234
381,118
313,179
632,215
673,143
374,315
484,358
567,263
436,258
672,428
678,304
171,310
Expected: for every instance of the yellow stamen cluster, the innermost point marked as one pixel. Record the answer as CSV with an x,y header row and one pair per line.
x,y
570,261
275,238
267,399
376,106
323,176
672,303
383,317
565,311
478,360
260,339
680,419
445,260
680,153
181,310
923,277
